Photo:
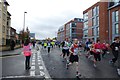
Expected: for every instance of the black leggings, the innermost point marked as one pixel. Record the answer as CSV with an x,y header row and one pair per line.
x,y
115,54
48,49
27,62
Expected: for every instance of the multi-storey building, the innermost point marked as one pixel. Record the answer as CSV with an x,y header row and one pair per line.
x,y
3,21
61,33
101,21
114,19
73,29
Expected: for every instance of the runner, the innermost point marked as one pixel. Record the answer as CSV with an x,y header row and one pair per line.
x,y
88,45
97,52
65,49
45,45
104,49
74,53
49,45
115,49
118,68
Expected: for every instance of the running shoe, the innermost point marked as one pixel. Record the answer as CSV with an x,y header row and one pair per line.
x,y
78,74
118,70
111,62
94,65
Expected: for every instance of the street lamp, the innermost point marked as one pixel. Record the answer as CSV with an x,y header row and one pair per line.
x,y
24,22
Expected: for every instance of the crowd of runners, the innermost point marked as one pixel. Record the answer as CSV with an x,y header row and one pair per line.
x,y
94,51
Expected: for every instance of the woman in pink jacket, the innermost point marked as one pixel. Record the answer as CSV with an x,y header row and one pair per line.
x,y
27,53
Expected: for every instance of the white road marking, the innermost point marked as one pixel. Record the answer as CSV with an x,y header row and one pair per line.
x,y
33,60
32,73
32,67
33,63
42,73
41,67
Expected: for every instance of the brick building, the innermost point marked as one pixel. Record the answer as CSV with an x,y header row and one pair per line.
x,y
98,22
72,29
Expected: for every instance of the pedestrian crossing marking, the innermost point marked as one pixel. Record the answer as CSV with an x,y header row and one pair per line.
x,y
41,67
33,63
32,67
42,73
32,73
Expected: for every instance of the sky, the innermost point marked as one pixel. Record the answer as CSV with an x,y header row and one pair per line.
x,y
44,17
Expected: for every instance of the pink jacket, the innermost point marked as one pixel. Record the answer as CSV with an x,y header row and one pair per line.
x,y
27,50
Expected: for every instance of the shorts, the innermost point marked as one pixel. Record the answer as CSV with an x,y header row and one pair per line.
x,y
97,57
65,51
74,58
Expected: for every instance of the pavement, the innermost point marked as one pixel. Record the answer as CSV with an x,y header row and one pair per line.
x,y
51,66
11,52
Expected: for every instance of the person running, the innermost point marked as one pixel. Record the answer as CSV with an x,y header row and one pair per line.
x,y
27,53
104,49
74,56
49,46
97,52
88,45
115,46
65,49
45,45
118,68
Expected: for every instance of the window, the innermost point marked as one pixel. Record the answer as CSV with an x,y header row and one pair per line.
x,y
86,24
97,20
97,10
94,11
3,41
3,30
74,24
73,30
92,31
4,16
116,28
97,31
93,22
85,33
116,15
85,16
0,13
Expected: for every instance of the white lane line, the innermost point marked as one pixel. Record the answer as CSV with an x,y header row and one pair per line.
x,y
41,67
45,70
39,63
32,73
33,60
32,67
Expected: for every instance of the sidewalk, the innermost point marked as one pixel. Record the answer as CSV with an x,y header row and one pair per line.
x,y
10,53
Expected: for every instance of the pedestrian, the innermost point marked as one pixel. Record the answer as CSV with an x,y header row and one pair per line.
x,y
74,56
45,45
49,46
65,49
12,44
27,53
97,52
115,49
118,68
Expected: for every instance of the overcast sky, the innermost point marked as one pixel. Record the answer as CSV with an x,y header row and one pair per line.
x,y
44,17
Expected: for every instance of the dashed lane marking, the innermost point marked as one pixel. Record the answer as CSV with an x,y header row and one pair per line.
x,y
32,73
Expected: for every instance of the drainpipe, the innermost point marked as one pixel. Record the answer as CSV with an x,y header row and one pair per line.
x,y
109,31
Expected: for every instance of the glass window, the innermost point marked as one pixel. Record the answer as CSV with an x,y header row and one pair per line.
x,y
85,16
3,41
97,10
85,33
86,24
3,30
116,28
97,20
92,31
94,11
0,13
116,16
97,31
74,24
93,22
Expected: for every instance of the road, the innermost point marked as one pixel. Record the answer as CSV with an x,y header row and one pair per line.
x,y
44,65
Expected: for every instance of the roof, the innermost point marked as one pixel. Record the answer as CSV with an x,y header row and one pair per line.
x,y
8,13
6,2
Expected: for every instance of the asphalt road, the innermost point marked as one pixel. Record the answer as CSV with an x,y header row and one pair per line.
x,y
44,65
57,68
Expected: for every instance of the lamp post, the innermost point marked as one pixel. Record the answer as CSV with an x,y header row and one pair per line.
x,y
24,21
